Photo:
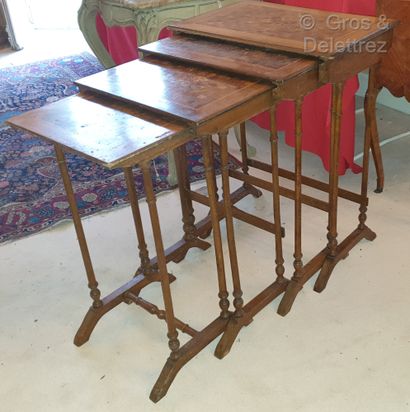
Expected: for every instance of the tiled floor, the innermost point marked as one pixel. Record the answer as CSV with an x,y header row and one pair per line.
x,y
347,349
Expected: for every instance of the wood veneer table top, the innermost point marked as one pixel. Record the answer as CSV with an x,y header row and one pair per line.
x,y
187,93
249,61
104,130
281,27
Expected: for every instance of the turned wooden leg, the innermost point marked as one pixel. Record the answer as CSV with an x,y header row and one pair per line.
x,y
235,324
92,317
239,193
279,269
207,148
188,218
366,153
161,387
296,283
245,155
213,153
146,267
330,262
162,265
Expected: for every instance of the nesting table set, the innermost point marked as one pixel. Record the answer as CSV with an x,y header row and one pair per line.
x,y
217,71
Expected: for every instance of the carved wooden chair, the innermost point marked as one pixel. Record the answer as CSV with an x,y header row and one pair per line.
x,y
392,73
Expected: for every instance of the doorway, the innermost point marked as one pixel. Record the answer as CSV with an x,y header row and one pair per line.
x,y
45,29
25,16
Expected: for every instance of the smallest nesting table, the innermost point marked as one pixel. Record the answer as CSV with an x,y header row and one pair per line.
x,y
116,136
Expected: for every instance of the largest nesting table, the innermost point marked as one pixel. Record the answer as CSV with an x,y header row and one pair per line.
x,y
191,87
273,44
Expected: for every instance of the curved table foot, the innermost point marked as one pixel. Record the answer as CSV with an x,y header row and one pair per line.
x,y
324,275
165,379
329,264
228,338
195,243
289,298
251,309
172,366
110,302
87,326
369,234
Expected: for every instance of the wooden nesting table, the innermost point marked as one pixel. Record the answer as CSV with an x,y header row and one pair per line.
x,y
196,84
245,39
116,133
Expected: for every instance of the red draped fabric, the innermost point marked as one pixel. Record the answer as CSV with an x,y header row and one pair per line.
x,y
121,44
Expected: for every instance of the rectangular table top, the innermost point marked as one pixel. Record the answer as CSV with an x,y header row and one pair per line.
x,y
104,130
235,58
286,28
192,94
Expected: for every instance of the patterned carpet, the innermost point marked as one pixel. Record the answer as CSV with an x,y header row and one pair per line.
x,y
31,191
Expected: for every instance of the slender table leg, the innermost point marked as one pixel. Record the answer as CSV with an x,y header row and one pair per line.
x,y
296,283
280,269
331,261
239,320
213,153
191,348
245,155
235,324
370,113
207,147
376,150
162,265
204,227
146,267
102,306
93,315
370,103
188,217
173,341
92,281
